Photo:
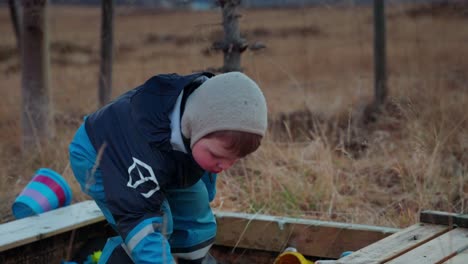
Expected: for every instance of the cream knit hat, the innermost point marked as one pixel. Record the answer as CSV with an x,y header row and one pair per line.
x,y
229,101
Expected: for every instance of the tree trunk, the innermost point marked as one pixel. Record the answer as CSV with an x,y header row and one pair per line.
x,y
233,45
16,20
36,116
107,32
380,75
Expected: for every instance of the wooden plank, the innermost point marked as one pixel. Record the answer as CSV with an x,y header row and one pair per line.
x,y
310,237
34,228
437,217
74,245
258,232
436,250
444,218
396,244
460,258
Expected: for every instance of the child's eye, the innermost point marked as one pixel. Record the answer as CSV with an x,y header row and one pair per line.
x,y
215,156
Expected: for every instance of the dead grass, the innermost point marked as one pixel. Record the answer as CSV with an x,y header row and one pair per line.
x,y
317,76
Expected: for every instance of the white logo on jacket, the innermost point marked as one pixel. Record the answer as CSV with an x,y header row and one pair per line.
x,y
143,177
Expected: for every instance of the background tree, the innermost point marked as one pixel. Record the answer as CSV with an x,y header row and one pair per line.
x,y
107,36
232,45
380,74
16,20
36,116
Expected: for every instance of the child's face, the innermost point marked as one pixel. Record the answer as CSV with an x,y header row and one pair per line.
x,y
212,155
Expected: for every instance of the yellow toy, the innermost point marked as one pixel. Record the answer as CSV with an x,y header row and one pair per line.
x,y
291,256
96,256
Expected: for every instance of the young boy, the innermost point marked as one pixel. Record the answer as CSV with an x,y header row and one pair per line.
x,y
150,158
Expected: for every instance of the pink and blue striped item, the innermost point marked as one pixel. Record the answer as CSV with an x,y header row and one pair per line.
x,y
46,191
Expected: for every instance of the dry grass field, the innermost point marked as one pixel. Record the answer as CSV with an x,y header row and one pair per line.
x,y
320,160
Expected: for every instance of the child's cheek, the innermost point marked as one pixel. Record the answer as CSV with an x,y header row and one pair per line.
x,y
202,161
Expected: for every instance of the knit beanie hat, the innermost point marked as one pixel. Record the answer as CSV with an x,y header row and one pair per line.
x,y
229,101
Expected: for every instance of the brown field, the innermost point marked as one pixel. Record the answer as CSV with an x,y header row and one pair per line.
x,y
320,159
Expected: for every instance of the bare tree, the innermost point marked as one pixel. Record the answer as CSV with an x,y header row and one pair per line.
x,y
16,20
373,109
380,74
107,35
232,45
36,117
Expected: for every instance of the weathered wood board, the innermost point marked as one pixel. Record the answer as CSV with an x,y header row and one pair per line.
x,y
440,238
437,250
460,258
444,218
30,229
310,237
396,244
56,234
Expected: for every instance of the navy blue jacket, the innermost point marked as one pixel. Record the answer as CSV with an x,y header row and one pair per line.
x,y
132,138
